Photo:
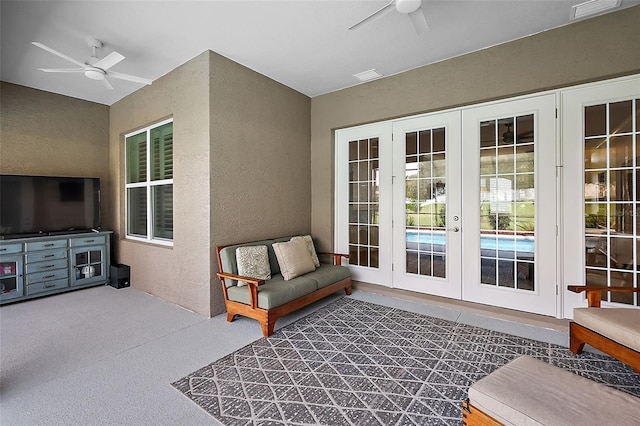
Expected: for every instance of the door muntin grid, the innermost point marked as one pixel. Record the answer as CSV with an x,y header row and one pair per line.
x,y
507,202
425,202
612,197
364,202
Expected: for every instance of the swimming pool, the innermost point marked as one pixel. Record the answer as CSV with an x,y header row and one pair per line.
x,y
487,242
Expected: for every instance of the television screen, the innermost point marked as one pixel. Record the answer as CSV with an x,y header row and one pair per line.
x,y
44,205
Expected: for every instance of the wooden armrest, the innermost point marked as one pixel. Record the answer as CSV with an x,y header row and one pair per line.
x,y
244,279
252,285
594,292
336,256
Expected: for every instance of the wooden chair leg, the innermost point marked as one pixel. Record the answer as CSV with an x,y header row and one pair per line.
x,y
267,327
575,345
230,316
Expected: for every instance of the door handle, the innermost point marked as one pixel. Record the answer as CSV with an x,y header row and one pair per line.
x,y
454,229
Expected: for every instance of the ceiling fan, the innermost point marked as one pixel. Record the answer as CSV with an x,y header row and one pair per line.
x,y
94,68
412,8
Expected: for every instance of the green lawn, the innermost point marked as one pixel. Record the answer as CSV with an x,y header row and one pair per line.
x,y
522,217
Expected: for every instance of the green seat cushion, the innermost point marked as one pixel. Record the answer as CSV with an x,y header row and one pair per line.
x,y
275,292
326,275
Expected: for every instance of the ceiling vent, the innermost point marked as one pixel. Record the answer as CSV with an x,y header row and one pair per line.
x,y
593,7
367,75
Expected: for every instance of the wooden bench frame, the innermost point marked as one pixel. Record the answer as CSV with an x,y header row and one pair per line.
x,y
579,335
268,317
473,416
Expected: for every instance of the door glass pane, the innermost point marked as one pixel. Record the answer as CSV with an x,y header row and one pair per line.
x,y
82,258
507,202
95,256
611,197
8,277
364,199
425,202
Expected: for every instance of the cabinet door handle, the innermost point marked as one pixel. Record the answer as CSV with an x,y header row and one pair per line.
x,y
48,245
3,249
49,285
48,256
47,266
89,241
49,276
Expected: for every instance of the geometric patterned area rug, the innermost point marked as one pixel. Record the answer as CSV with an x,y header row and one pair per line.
x,y
357,363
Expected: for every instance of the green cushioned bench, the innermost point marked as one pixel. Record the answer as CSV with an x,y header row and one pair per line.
x,y
268,300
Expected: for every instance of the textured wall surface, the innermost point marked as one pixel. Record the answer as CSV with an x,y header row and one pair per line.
x,y
180,274
260,159
46,134
599,48
241,172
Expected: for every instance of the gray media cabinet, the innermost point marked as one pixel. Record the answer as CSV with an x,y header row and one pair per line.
x,y
40,266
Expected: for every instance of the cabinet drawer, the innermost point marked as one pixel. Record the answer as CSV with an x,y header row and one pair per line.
x,y
10,248
47,275
48,255
46,245
86,241
48,265
46,286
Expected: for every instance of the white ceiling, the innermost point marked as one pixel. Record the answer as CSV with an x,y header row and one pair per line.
x,y
303,44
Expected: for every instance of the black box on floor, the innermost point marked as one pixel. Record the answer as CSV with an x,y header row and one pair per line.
x,y
119,276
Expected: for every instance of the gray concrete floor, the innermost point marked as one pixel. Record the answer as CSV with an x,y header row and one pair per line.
x,y
107,356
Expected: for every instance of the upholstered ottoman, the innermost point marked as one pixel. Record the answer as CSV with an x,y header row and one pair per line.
x,y
618,324
528,391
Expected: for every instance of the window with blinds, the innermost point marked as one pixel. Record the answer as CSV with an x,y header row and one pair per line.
x,y
149,183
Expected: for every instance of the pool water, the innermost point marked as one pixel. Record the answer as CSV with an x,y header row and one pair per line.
x,y
499,242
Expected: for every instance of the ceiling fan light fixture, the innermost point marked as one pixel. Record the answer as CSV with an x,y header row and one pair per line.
x,y
94,73
592,7
408,6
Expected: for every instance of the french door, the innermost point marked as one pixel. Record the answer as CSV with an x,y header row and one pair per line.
x,y
427,204
509,181
364,201
601,150
460,204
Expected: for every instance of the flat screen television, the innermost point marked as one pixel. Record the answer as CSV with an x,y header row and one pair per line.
x,y
45,205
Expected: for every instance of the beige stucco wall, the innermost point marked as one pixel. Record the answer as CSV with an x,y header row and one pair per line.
x,y
46,134
179,274
241,172
599,48
260,159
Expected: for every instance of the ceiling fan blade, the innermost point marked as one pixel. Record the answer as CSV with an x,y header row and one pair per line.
x,y
107,83
373,15
61,69
108,61
128,77
55,52
419,21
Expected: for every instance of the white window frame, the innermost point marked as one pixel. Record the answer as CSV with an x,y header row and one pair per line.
x,y
148,184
